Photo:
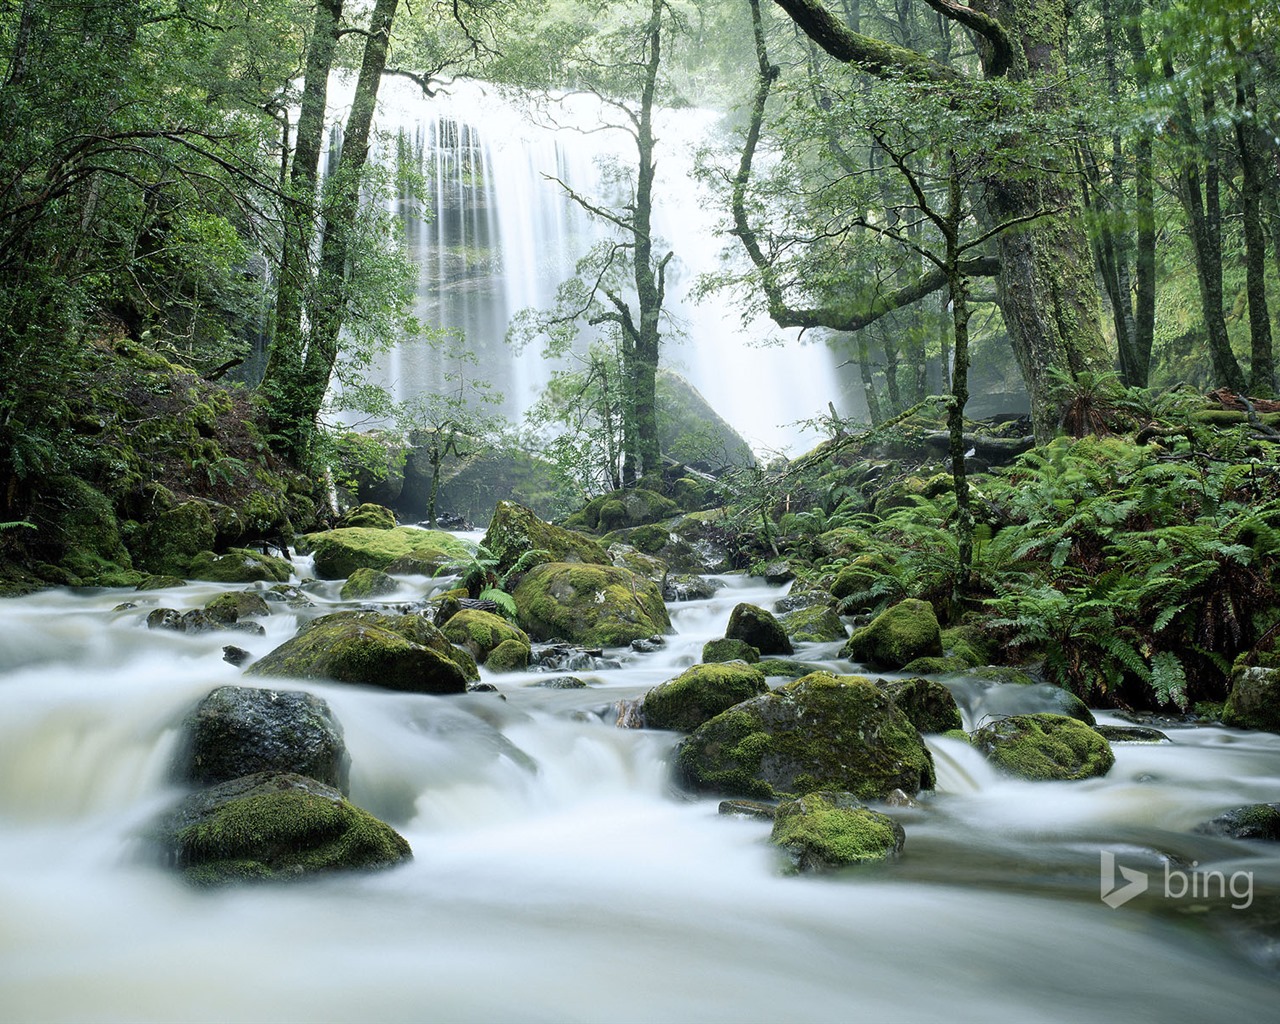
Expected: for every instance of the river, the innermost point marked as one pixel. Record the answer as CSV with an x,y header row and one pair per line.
x,y
558,875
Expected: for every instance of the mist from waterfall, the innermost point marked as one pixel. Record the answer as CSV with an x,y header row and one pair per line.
x,y
499,234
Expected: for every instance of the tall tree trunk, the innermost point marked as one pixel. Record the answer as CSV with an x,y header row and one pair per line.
x,y
1253,171
1046,285
282,381
1201,200
1144,306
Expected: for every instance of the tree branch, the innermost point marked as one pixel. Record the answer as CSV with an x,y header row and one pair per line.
x,y
999,59
870,55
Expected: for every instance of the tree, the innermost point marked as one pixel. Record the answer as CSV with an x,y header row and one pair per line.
x,y
1045,280
621,284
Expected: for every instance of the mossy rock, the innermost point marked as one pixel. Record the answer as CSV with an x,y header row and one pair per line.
x,y
166,544
273,827
968,642
239,730
77,528
593,605
612,515
896,637
1254,701
815,624
928,704
481,632
859,576
1044,747
1005,674
699,693
819,732
368,517
842,542
375,650
759,628
239,565
509,656
418,629
161,583
339,553
237,605
825,831
1254,821
729,649
368,583
514,529
640,563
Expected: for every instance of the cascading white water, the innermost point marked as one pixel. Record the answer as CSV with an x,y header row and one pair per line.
x,y
558,873
500,236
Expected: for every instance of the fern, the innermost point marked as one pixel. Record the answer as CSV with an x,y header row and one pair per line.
x,y
505,602
1169,680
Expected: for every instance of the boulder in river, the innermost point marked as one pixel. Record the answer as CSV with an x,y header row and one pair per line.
x,y
339,553
480,632
699,693
930,705
759,628
819,732
514,529
1254,702
273,826
907,631
1042,747
601,605
826,830
814,624
396,652
727,649
241,730
1254,821
366,583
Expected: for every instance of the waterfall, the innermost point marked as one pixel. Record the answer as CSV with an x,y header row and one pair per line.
x,y
500,236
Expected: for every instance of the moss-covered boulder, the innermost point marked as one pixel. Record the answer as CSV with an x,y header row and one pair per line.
x,y
239,730
509,656
1253,821
1254,702
403,652
759,628
514,529
826,830
339,553
640,563
166,544
699,693
927,703
895,637
368,517
815,624
481,632
364,584
728,649
239,565
273,827
78,533
819,732
859,576
1044,747
237,605
594,605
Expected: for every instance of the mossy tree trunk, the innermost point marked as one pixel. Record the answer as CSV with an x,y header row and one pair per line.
x,y
1045,282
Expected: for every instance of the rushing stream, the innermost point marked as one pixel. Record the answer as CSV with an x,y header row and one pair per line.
x,y
558,875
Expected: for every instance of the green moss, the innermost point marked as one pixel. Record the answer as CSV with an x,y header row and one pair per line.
x,y
818,732
395,653
784,667
1254,701
514,529
339,553
935,666
597,605
283,834
699,693
482,632
1044,747
896,637
369,517
232,607
367,583
509,656
927,703
612,515
816,624
166,544
825,831
239,565
957,734
729,649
